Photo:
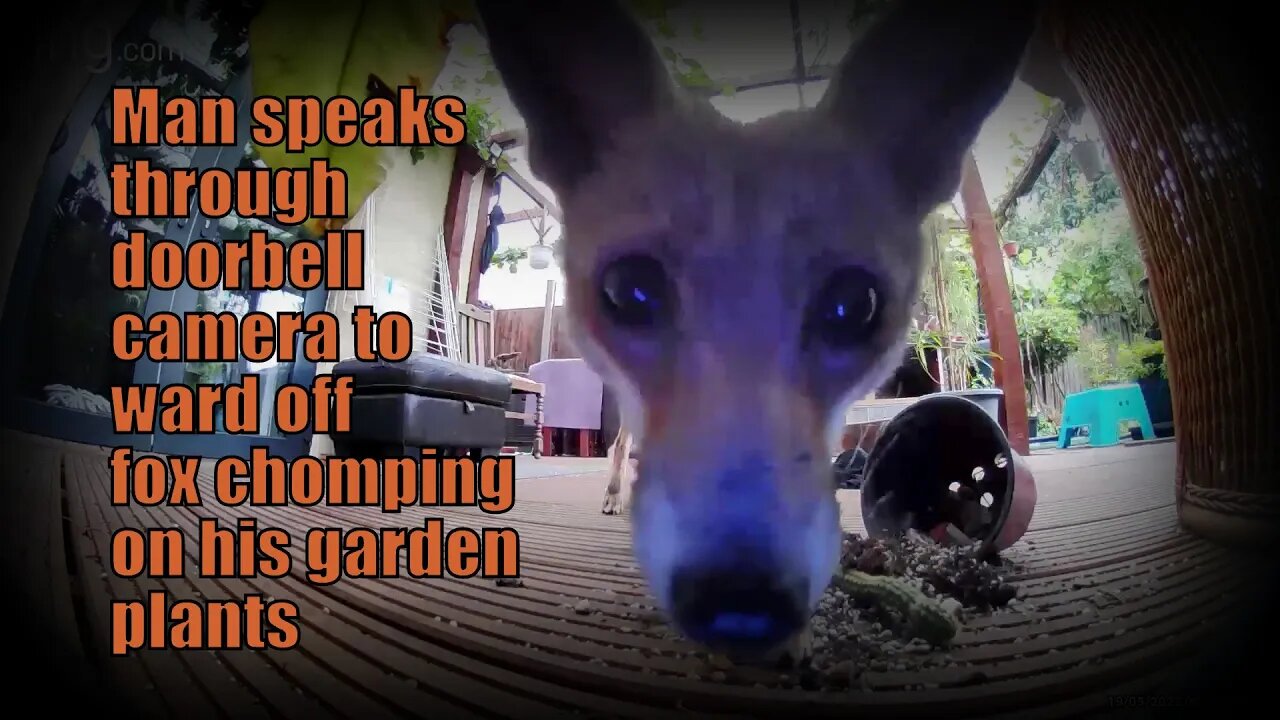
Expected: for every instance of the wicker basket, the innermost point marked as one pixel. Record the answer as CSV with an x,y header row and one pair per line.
x,y
1179,102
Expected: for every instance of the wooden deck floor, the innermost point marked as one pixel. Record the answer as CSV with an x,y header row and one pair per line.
x,y
1115,595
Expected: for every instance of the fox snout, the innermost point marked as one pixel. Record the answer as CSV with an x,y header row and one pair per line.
x,y
748,609
736,561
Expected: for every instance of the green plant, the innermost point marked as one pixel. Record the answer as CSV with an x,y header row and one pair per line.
x,y
1060,200
925,617
508,258
961,358
1077,245
1107,361
949,297
480,126
1045,427
1049,336
1097,360
1142,359
1101,269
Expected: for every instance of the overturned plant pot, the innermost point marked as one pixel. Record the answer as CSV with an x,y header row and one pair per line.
x,y
944,468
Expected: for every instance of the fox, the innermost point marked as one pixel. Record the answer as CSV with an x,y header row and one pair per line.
x,y
737,285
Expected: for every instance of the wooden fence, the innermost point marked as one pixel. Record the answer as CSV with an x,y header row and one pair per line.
x,y
1050,390
520,330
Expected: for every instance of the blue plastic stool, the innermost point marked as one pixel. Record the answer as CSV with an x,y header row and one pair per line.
x,y
1102,410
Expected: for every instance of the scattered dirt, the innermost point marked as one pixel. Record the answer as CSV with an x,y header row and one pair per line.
x,y
851,638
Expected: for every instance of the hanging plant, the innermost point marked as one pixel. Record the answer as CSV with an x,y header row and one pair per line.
x,y
509,258
480,127
540,253
540,256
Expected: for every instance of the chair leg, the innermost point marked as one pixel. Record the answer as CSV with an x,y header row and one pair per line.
x,y
1064,436
1069,422
1106,431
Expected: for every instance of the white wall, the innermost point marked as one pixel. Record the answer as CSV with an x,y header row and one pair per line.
x,y
402,221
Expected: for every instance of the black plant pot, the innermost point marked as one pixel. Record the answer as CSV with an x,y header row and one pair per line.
x,y
941,460
1155,392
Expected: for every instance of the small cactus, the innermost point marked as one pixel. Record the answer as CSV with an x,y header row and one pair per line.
x,y
926,618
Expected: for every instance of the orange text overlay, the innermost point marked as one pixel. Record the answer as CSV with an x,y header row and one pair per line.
x,y
323,407
208,336
219,537
264,480
241,549
230,545
256,263
288,195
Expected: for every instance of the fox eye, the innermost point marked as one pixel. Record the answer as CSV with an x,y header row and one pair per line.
x,y
846,310
636,292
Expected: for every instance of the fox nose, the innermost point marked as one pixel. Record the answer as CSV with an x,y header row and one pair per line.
x,y
741,612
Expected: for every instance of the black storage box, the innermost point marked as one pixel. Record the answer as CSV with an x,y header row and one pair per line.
x,y
425,401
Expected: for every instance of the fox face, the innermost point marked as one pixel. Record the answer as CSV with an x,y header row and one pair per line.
x,y
738,285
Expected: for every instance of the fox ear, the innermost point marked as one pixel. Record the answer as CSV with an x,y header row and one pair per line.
x,y
576,72
920,82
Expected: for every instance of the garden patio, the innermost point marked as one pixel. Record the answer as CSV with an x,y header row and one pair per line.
x,y
1141,557
1115,599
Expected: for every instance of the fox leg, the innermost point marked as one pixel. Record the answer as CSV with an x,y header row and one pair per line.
x,y
619,466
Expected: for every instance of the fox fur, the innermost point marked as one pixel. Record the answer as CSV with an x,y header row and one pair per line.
x,y
737,285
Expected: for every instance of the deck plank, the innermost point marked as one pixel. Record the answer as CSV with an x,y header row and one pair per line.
x,y
1112,593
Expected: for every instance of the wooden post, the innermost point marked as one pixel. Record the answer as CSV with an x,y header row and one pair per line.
x,y
997,303
547,317
472,292
465,166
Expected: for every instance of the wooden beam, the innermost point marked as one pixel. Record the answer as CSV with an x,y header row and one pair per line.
x,y
997,304
524,184
548,316
530,214
772,78
1033,167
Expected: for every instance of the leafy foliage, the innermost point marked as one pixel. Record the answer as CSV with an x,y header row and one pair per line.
x,y
1077,245
331,48
1097,360
686,70
1142,359
480,127
1049,336
949,300
509,258
1059,201
1101,268
1106,361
